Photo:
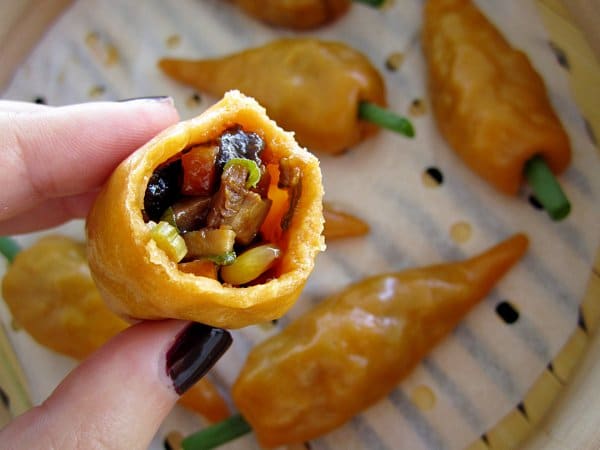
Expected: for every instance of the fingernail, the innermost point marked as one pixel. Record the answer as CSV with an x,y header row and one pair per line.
x,y
195,350
156,98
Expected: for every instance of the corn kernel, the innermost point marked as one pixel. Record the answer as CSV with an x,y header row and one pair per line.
x,y
250,265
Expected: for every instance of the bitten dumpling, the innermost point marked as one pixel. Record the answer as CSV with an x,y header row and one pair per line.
x,y
217,220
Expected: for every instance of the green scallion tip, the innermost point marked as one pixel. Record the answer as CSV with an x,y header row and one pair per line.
x,y
217,434
385,119
253,170
546,188
9,247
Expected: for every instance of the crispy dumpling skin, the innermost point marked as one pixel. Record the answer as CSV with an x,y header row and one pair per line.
x,y
138,280
309,86
295,14
489,102
356,345
50,293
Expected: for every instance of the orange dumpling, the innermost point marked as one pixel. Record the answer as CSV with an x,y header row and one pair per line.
x,y
221,163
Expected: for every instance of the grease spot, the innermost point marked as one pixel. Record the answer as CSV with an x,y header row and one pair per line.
x,y
423,397
193,101
96,91
417,108
173,41
102,49
461,232
394,61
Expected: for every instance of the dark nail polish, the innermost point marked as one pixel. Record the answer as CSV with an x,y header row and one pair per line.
x,y
195,350
155,98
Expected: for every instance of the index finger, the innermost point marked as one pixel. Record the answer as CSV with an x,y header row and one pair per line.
x,y
49,153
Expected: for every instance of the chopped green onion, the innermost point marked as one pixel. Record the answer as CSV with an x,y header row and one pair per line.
x,y
546,188
223,260
9,248
168,240
217,434
386,119
253,170
375,3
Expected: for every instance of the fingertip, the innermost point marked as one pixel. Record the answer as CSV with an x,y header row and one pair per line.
x,y
127,124
159,110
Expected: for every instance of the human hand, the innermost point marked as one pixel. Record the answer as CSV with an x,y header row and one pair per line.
x,y
52,162
119,396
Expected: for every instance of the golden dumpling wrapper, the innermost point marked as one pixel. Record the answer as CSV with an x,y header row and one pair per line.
x,y
138,280
50,293
295,14
489,102
309,86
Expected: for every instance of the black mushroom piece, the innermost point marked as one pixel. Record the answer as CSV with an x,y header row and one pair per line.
x,y
237,143
163,189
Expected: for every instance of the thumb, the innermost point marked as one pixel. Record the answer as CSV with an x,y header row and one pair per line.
x,y
119,396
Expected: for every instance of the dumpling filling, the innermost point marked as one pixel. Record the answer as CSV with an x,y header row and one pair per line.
x,y
211,208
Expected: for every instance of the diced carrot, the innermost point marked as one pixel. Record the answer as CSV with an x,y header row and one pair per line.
x,y
271,227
